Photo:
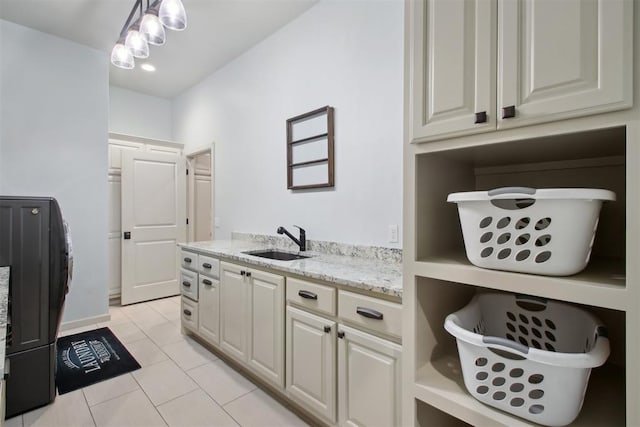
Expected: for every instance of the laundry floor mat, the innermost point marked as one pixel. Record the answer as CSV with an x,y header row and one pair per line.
x,y
90,357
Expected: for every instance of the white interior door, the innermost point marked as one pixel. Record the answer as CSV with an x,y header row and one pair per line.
x,y
154,213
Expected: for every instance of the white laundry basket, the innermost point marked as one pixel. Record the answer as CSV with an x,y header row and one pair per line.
x,y
540,231
528,356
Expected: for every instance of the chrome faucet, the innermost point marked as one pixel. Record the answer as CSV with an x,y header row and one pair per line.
x,y
303,237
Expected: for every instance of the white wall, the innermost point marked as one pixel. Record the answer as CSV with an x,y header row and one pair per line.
x,y
137,114
53,142
347,54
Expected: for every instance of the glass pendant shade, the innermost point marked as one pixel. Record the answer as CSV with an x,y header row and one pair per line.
x,y
137,43
172,15
121,56
152,29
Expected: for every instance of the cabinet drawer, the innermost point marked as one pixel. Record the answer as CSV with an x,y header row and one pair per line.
x,y
209,266
312,295
189,314
371,313
189,284
188,259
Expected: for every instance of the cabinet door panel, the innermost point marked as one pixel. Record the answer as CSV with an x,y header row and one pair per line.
x,y
561,59
209,306
453,69
266,342
233,311
311,362
369,378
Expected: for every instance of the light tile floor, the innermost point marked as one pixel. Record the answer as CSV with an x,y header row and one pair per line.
x,y
180,383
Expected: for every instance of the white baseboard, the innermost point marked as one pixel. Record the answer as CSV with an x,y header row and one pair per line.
x,y
84,322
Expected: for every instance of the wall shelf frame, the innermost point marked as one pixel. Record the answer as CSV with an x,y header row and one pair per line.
x,y
310,150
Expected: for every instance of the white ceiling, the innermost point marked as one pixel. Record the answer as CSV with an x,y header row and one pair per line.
x,y
217,32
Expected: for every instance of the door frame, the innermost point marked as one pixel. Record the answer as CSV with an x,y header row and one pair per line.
x,y
190,157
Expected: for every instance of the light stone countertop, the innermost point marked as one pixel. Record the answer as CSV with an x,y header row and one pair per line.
x,y
369,274
4,302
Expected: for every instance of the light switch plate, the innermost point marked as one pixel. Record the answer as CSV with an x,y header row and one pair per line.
x,y
393,233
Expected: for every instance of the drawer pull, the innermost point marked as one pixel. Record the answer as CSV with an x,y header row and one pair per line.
x,y
186,284
307,294
242,272
207,282
187,260
369,312
187,312
481,117
340,334
206,265
248,274
509,112
327,329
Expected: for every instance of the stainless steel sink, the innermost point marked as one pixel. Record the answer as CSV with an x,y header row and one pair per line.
x,y
276,254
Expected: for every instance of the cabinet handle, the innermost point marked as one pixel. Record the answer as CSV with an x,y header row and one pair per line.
x,y
369,312
481,117
307,294
248,274
327,329
206,265
187,260
207,282
509,112
242,272
127,235
187,312
340,334
186,284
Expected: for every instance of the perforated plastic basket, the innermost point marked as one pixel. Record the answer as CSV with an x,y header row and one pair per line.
x,y
528,356
548,231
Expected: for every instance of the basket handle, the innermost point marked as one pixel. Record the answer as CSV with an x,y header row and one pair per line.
x,y
528,191
531,303
503,342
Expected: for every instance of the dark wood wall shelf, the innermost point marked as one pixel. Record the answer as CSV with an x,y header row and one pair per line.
x,y
310,147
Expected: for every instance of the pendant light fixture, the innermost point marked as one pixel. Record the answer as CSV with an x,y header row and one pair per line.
x,y
148,29
136,42
172,15
151,27
121,56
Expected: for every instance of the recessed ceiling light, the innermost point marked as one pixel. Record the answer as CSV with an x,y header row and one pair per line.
x,y
148,67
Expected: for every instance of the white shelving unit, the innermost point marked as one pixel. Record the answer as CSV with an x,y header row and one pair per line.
x,y
600,150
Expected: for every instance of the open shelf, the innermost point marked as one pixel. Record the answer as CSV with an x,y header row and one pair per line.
x,y
438,379
440,384
594,159
602,283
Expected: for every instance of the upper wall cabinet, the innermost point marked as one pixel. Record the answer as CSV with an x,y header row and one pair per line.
x,y
482,65
453,68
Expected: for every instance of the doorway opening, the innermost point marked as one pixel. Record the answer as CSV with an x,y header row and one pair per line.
x,y
200,194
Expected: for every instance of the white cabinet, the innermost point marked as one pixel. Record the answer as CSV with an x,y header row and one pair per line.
x,y
200,288
369,376
311,362
563,58
252,319
453,68
209,309
234,301
328,362
266,337
555,59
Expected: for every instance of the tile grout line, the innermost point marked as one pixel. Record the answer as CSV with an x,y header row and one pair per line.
x,y
111,398
88,407
149,398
